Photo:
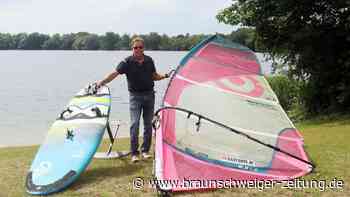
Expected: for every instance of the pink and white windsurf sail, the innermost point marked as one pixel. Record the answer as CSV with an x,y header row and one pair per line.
x,y
222,121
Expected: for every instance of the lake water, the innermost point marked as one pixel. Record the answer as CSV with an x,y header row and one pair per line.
x,y
37,85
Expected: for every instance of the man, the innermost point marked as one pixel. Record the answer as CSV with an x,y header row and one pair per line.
x,y
141,74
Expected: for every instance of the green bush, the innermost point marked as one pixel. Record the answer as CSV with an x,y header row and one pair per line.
x,y
288,92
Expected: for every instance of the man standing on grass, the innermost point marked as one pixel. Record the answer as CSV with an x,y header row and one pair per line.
x,y
141,74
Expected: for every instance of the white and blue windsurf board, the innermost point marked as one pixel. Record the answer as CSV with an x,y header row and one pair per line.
x,y
71,142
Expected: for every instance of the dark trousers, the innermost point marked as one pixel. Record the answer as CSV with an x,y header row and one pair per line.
x,y
141,103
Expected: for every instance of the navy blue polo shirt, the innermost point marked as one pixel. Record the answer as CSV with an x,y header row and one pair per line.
x,y
139,76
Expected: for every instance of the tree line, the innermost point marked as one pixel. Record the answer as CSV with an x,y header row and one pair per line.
x,y
111,41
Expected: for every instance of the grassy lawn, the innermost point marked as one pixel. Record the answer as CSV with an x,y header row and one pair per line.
x,y
326,142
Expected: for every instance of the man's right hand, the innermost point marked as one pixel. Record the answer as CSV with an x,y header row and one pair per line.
x,y
99,84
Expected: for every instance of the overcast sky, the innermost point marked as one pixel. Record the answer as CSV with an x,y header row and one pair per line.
x,y
171,17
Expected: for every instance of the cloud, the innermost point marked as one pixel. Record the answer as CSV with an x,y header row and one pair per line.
x,y
132,16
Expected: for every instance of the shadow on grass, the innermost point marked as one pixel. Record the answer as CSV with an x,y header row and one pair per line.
x,y
97,174
328,120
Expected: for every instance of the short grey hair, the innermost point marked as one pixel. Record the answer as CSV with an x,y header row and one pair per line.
x,y
137,39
